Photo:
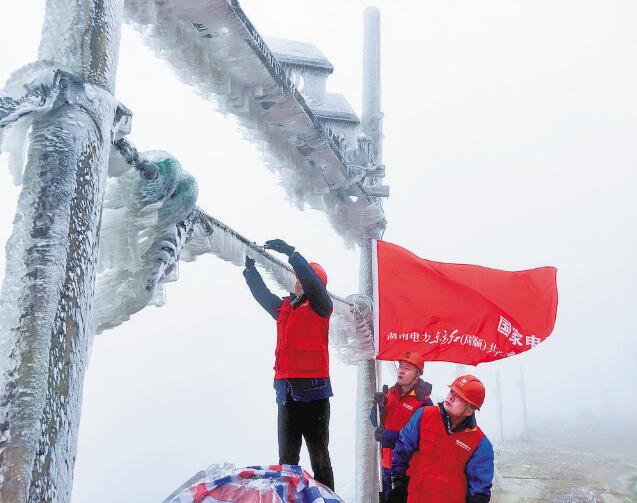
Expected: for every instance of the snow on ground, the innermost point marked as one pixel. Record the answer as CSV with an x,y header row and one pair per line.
x,y
562,469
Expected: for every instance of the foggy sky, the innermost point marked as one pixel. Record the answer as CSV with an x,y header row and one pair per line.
x,y
509,142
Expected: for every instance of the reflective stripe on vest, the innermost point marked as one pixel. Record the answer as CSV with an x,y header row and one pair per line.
x,y
398,410
437,468
301,345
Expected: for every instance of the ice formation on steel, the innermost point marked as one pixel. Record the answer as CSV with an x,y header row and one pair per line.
x,y
253,484
28,92
45,305
63,115
145,224
150,221
212,46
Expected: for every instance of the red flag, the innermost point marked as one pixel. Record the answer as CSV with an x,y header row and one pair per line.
x,y
456,312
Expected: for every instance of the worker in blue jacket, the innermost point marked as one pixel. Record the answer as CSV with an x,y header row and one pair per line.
x,y
444,453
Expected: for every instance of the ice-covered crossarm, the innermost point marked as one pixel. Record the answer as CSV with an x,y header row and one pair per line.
x,y
29,93
309,137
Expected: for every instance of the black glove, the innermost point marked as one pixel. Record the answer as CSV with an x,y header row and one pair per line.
x,y
249,263
278,245
378,433
380,399
398,492
478,498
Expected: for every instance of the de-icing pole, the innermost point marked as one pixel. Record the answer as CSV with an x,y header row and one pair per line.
x,y
366,473
47,293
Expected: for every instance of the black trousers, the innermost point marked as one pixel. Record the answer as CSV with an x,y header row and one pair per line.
x,y
311,421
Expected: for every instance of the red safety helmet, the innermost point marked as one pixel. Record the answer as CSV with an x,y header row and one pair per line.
x,y
415,358
470,389
320,272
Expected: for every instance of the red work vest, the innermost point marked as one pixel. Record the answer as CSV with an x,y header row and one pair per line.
x,y
398,410
301,342
437,468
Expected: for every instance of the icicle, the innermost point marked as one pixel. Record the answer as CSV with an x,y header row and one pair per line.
x,y
145,224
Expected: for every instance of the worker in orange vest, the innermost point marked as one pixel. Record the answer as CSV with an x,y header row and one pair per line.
x,y
301,364
397,405
444,453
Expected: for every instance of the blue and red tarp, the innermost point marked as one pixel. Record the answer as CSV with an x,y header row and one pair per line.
x,y
259,484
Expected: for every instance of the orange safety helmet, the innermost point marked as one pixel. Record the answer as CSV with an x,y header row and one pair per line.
x,y
320,272
470,389
415,358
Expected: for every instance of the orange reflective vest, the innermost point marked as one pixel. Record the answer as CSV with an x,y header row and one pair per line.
x,y
437,468
398,409
301,343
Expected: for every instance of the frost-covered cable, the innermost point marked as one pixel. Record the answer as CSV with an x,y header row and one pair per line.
x,y
130,206
129,153
350,335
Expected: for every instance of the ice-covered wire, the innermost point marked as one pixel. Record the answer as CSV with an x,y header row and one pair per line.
x,y
129,153
350,336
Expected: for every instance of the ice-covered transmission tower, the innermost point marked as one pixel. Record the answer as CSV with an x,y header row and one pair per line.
x,y
100,227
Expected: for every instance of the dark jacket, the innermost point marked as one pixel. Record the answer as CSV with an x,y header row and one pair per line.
x,y
300,390
422,390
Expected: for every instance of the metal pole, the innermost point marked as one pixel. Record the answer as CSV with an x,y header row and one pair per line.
x,y
47,292
366,472
367,459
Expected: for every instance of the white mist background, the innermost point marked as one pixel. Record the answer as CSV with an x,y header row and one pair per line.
x,y
510,133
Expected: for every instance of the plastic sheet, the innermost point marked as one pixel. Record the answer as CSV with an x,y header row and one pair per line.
x,y
253,484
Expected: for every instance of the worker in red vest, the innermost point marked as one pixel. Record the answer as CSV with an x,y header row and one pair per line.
x,y
450,459
301,366
397,405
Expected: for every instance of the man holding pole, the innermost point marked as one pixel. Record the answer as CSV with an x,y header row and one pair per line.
x,y
301,379
450,459
396,406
